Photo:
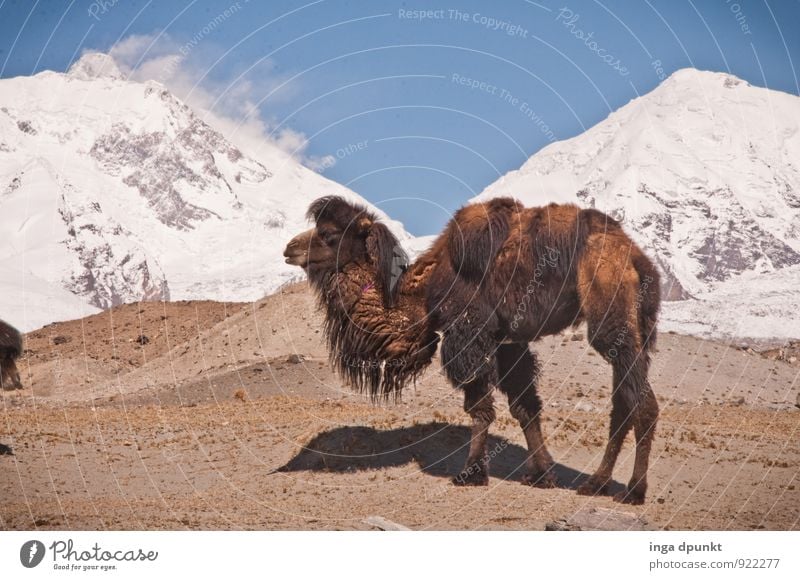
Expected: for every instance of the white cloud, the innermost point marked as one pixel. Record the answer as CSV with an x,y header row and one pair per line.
x,y
231,105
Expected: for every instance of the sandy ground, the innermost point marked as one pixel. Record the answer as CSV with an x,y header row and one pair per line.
x,y
205,415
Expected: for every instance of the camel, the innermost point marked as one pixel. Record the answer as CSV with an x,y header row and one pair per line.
x,y
499,277
10,351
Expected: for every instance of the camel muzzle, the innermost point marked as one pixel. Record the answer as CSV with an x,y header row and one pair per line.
x,y
296,251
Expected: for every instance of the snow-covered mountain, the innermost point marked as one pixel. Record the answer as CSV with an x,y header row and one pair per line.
x,y
704,171
114,191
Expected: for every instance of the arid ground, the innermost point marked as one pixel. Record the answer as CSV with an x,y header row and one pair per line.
x,y
205,415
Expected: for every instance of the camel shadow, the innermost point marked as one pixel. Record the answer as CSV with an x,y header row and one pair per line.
x,y
440,449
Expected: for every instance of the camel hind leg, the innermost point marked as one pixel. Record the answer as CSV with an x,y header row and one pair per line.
x,y
610,301
644,427
633,406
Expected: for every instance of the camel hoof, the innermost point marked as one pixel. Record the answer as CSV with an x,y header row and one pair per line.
x,y
473,475
593,488
544,480
630,497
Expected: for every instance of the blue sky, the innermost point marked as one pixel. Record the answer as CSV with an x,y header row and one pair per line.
x,y
420,111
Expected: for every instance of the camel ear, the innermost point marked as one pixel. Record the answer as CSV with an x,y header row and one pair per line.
x,y
389,258
363,225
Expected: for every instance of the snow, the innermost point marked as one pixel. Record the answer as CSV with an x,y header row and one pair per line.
x,y
416,246
30,302
759,309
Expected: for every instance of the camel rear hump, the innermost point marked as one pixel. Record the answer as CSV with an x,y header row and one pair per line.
x,y
558,235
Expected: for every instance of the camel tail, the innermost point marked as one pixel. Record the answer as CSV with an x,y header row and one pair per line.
x,y
649,299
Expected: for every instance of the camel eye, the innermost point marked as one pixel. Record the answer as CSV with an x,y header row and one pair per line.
x,y
328,237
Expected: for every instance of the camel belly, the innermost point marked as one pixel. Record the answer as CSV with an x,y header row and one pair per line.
x,y
532,317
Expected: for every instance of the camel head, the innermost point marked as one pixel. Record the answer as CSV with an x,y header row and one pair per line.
x,y
378,334
347,234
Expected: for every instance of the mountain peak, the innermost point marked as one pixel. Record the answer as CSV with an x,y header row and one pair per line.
x,y
693,76
94,65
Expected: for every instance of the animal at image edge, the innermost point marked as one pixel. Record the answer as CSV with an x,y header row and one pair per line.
x,y
500,276
10,351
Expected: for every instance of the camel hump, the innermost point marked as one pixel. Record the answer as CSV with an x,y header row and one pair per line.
x,y
476,234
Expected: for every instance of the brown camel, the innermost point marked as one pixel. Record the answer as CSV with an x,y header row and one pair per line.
x,y
500,276
10,350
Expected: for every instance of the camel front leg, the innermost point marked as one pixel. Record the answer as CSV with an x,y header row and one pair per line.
x,y
479,403
518,372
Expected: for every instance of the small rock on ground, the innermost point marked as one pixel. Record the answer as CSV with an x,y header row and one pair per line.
x,y
601,519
